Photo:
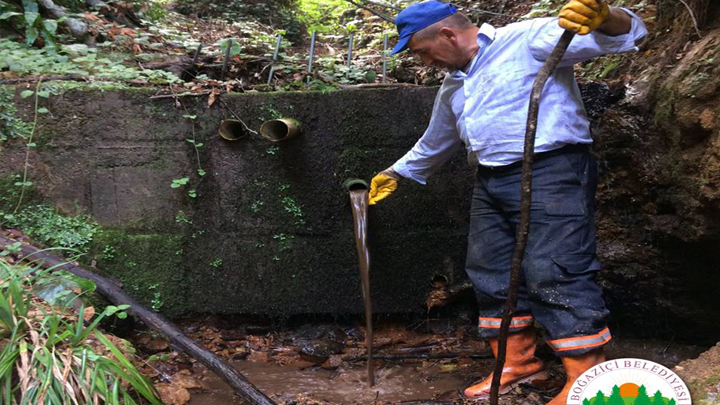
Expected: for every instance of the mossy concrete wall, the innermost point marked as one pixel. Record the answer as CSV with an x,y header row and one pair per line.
x,y
270,230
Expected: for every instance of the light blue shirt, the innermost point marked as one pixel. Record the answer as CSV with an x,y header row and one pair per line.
x,y
485,106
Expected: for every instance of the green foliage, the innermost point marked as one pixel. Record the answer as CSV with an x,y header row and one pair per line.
x,y
284,241
47,357
30,21
45,225
73,59
323,15
292,207
216,263
177,183
10,125
544,8
156,303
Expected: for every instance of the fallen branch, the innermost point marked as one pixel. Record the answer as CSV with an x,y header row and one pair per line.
x,y
692,15
377,13
377,3
117,296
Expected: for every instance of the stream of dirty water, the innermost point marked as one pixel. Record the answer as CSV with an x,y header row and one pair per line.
x,y
395,382
359,202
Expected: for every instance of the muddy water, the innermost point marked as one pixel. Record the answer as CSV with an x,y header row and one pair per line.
x,y
359,202
394,382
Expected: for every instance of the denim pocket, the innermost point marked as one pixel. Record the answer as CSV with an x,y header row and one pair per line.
x,y
577,264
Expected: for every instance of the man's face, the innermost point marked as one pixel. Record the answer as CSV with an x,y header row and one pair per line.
x,y
440,50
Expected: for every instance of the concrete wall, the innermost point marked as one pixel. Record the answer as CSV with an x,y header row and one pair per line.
x,y
275,215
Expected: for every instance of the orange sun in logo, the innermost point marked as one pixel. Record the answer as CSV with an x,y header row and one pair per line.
x,y
629,390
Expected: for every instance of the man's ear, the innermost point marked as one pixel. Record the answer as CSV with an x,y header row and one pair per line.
x,y
448,33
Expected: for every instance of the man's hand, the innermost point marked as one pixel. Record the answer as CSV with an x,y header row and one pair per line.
x,y
382,185
583,16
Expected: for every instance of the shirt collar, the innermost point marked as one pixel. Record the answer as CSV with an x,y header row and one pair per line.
x,y
485,35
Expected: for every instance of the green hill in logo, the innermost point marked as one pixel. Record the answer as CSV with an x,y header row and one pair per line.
x,y
629,394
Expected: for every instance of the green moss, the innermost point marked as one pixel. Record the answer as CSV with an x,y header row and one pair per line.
x,y
150,267
352,162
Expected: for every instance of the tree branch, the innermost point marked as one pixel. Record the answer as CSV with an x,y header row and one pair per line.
x,y
377,13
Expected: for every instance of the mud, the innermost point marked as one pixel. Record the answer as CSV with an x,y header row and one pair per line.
x,y
410,363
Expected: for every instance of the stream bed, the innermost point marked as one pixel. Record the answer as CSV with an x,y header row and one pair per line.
x,y
324,364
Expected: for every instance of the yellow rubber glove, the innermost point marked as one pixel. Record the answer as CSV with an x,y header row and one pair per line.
x,y
381,186
583,16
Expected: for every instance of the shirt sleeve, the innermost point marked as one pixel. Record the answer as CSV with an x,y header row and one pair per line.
x,y
436,146
544,34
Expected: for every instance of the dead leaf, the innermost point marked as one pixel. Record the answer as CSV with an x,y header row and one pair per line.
x,y
88,313
185,379
173,394
213,97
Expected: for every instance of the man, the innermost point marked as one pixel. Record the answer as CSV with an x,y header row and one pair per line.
x,y
483,103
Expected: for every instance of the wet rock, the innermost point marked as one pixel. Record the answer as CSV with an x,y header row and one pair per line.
x,y
241,354
155,346
355,333
317,351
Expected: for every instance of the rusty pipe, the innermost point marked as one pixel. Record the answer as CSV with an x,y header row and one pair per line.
x,y
280,129
232,130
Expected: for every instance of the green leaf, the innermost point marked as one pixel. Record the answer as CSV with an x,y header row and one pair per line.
x,y
8,14
201,172
31,34
190,141
43,110
26,93
50,26
179,182
32,144
188,116
43,93
192,193
197,145
31,11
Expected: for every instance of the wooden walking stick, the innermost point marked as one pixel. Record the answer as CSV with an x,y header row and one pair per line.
x,y
525,198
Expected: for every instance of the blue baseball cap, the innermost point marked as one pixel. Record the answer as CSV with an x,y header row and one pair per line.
x,y
418,16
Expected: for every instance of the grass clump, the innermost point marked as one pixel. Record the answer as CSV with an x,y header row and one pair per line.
x,y
48,355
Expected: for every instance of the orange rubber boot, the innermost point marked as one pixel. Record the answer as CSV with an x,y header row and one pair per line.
x,y
574,367
521,365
